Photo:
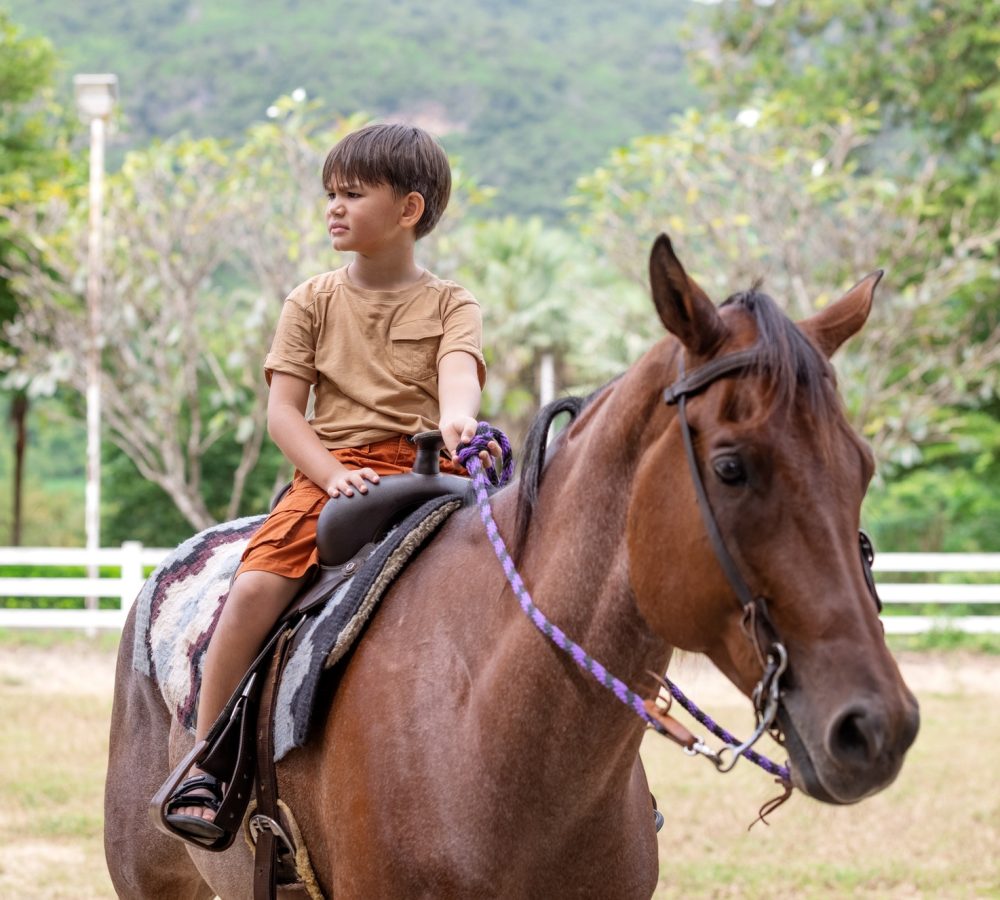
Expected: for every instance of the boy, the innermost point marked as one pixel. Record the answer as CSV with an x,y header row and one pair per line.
x,y
391,350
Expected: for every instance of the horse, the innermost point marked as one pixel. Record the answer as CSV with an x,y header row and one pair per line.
x,y
460,754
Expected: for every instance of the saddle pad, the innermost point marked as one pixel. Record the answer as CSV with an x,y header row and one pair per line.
x,y
180,603
178,608
324,638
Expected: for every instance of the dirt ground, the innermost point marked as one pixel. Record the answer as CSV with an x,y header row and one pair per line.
x,y
48,670
929,835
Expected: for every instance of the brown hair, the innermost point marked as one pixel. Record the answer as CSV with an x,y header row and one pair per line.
x,y
404,157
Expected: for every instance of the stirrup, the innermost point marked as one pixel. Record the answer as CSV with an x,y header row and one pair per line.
x,y
199,829
226,755
167,799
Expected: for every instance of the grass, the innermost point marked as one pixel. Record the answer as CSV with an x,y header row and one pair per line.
x,y
54,751
945,638
933,833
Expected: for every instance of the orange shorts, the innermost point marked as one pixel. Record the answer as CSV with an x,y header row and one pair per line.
x,y
285,543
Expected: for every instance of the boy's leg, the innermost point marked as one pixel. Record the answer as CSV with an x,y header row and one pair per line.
x,y
255,603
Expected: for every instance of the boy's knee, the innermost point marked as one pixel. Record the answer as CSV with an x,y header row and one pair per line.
x,y
257,586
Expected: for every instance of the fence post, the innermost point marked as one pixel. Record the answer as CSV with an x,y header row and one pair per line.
x,y
131,574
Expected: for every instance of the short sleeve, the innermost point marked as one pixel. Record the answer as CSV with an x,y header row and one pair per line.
x,y
293,350
463,328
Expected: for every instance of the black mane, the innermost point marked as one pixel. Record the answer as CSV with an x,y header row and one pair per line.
x,y
533,462
797,370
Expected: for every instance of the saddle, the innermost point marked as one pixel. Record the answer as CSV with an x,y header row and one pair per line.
x,y
239,748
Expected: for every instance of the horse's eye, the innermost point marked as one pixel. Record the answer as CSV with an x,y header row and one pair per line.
x,y
730,469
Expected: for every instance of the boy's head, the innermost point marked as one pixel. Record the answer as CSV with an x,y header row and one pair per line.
x,y
404,157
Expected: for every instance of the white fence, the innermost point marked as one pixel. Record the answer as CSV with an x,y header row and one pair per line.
x,y
131,559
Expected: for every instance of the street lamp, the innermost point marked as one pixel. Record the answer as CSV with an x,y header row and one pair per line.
x,y
95,101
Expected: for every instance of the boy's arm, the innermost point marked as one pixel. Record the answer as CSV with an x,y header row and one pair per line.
x,y
289,429
459,395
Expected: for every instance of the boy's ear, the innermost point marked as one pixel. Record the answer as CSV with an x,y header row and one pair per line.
x,y
413,209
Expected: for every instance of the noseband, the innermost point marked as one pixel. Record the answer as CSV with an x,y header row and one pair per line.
x,y
774,659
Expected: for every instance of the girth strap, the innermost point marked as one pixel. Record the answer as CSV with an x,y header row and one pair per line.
x,y
265,822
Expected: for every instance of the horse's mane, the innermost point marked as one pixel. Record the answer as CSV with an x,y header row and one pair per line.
x,y
796,370
533,462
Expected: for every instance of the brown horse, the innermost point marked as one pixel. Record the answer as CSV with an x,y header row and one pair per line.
x,y
462,755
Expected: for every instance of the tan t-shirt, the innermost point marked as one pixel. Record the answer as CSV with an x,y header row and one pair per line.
x,y
373,355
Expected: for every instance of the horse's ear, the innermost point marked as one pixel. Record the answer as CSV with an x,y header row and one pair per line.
x,y
684,308
830,327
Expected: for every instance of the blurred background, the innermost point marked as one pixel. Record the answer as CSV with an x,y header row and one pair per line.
x,y
805,143
146,246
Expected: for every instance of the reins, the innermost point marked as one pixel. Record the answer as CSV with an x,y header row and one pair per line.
x,y
653,715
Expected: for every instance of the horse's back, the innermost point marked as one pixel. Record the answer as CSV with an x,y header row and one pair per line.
x,y
405,788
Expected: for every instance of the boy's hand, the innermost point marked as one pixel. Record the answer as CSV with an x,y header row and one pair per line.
x,y
350,479
461,430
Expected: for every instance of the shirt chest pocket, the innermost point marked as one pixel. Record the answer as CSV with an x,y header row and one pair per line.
x,y
414,347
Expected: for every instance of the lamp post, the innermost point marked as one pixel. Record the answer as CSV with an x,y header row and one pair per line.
x,y
95,101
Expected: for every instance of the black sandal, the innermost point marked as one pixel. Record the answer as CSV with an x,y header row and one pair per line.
x,y
198,829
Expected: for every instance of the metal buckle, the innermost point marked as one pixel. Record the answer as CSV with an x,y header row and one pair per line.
x,y
260,823
766,699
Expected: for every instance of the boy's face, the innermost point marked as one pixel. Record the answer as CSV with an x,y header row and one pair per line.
x,y
364,218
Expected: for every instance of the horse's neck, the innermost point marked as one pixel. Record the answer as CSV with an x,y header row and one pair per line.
x,y
575,566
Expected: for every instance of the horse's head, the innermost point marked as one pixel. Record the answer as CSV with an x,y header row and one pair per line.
x,y
784,476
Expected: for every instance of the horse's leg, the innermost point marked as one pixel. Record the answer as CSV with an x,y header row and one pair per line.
x,y
143,862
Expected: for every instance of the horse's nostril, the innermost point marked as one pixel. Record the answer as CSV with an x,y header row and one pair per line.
x,y
854,737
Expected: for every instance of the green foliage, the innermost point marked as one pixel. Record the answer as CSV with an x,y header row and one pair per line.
x,y
32,145
931,67
946,639
545,293
26,70
951,503
529,94
136,509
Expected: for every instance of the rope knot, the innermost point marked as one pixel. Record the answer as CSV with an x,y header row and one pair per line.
x,y
468,454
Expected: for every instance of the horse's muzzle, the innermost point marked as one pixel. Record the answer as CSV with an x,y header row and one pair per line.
x,y
859,751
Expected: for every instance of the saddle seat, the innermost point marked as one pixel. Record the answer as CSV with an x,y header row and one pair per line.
x,y
350,525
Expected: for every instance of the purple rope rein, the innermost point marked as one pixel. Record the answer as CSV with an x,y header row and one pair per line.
x,y
468,456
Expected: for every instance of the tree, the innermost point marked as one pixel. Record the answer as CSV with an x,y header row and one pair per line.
x,y
31,154
925,77
551,315
922,67
169,389
748,197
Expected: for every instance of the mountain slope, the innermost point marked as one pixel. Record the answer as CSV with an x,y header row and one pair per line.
x,y
529,93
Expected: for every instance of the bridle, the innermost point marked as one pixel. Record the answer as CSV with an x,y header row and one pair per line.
x,y
771,652
766,695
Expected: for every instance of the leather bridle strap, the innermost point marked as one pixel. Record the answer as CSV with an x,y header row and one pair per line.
x,y
677,394
703,376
